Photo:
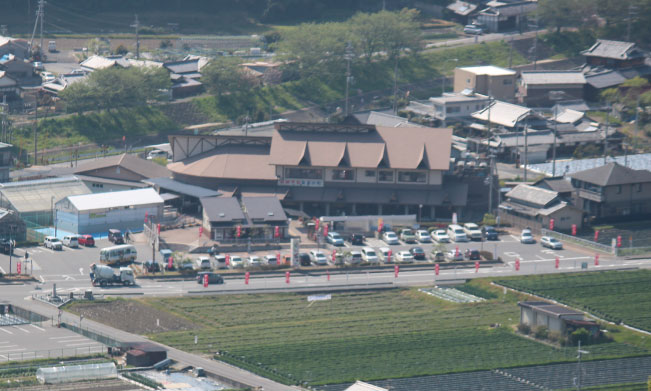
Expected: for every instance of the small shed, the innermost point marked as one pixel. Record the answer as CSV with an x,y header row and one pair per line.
x,y
145,354
553,316
72,373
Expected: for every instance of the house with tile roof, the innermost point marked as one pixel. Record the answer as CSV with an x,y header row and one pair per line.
x,y
612,191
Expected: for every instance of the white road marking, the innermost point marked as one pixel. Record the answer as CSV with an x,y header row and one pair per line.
x,y
512,254
21,329
86,343
6,331
14,350
36,327
68,337
48,250
68,278
517,239
40,277
81,271
2,270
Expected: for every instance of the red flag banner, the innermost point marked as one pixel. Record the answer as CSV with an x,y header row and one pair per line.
x,y
246,277
436,269
205,281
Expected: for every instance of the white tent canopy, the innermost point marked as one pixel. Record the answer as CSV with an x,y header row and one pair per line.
x,y
71,373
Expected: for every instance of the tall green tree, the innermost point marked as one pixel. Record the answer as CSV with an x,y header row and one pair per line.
x,y
224,75
111,88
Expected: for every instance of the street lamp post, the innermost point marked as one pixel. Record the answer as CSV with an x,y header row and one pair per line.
x,y
420,209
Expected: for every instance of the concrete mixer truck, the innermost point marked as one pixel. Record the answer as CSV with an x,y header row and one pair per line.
x,y
103,275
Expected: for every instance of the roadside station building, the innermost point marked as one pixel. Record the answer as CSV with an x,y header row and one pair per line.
x,y
98,212
330,169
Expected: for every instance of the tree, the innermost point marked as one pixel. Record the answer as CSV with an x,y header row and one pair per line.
x,y
561,13
400,32
121,50
315,49
116,87
223,75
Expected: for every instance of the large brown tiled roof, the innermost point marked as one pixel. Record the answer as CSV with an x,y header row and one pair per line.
x,y
235,162
401,148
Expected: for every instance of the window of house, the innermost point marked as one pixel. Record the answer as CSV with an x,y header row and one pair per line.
x,y
304,173
638,187
453,109
369,173
385,176
619,189
343,175
412,177
507,82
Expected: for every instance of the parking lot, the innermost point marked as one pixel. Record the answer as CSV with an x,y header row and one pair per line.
x,y
29,341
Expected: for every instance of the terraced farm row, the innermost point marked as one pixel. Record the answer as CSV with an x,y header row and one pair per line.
x,y
617,296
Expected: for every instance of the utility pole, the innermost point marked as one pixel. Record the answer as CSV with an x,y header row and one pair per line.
x,y
526,145
490,180
41,10
395,86
606,134
348,55
4,124
35,127
136,25
554,145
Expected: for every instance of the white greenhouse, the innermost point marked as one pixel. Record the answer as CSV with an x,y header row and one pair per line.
x,y
71,373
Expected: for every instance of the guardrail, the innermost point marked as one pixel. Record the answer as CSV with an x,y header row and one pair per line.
x,y
580,241
94,335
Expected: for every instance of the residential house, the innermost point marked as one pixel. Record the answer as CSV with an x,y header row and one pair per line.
x,y
379,118
507,116
182,196
9,88
361,386
610,63
542,88
17,47
614,55
258,218
559,184
506,15
449,108
498,83
5,161
185,77
19,70
555,318
119,172
96,62
329,169
62,82
265,71
533,207
613,191
462,11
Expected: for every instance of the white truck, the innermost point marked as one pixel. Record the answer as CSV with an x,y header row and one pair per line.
x,y
103,275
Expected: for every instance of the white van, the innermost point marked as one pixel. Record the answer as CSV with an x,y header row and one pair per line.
x,y
456,233
116,255
52,243
71,241
221,261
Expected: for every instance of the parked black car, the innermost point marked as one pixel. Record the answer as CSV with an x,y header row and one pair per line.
x,y
489,232
472,255
418,253
5,246
357,239
304,259
151,266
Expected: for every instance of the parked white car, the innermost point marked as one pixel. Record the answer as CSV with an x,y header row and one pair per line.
x,y
423,236
220,260
71,241
440,236
404,257
270,259
383,253
156,153
236,262
47,77
335,239
472,230
318,258
369,255
353,258
253,261
52,243
526,237
551,242
390,237
203,263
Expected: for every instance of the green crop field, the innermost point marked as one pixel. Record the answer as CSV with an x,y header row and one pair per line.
x,y
361,335
613,295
